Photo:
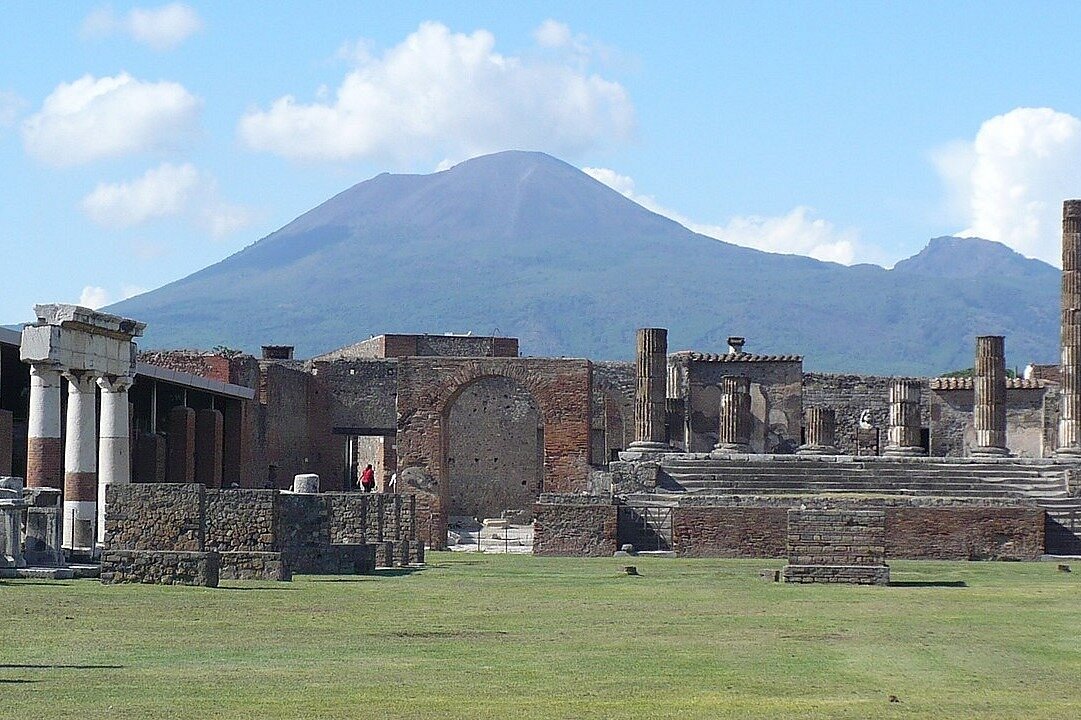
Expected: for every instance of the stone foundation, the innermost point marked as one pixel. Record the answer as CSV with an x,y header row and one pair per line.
x,y
247,565
837,546
575,525
850,574
160,567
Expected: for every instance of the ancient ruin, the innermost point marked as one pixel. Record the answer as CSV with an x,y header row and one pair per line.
x,y
690,452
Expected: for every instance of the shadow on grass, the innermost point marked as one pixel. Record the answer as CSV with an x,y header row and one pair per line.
x,y
34,666
929,583
396,572
18,681
264,589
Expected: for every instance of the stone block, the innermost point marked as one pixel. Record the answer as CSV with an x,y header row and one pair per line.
x,y
306,483
246,565
160,567
44,534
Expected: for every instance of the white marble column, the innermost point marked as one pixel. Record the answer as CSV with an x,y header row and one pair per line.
x,y
114,447
80,461
43,464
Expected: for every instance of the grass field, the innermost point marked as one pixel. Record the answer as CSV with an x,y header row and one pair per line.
x,y
503,636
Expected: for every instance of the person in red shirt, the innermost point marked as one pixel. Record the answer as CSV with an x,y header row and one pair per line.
x,y
367,479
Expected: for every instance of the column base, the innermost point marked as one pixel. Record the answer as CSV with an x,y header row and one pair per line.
x,y
988,452
817,450
904,451
649,446
1068,452
721,450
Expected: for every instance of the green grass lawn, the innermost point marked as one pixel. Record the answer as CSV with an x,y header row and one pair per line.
x,y
503,636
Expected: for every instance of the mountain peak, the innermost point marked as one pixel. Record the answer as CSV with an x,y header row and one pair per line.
x,y
971,257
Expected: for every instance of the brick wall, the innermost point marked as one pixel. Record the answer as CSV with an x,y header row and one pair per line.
x,y
836,537
613,409
965,533
207,365
746,532
575,525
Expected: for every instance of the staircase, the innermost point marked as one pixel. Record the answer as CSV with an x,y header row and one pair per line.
x,y
1043,483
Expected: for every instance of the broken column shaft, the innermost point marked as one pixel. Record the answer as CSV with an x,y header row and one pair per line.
x,y
904,430
821,423
1069,427
734,428
989,409
651,374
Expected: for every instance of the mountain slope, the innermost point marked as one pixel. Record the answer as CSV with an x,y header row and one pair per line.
x,y
524,244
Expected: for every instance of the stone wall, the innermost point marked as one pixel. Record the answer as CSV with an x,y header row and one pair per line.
x,y
575,525
965,533
837,546
612,409
849,396
160,567
362,392
776,399
953,432
155,517
739,532
244,565
242,520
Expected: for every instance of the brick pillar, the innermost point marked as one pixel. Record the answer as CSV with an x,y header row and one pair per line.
x,y
81,461
6,442
1069,427
821,423
651,375
209,436
44,467
734,428
114,446
904,430
989,408
180,467
150,453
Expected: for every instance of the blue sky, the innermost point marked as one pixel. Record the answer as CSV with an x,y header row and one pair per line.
x,y
142,142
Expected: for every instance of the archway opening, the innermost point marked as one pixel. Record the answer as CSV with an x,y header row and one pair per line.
x,y
495,450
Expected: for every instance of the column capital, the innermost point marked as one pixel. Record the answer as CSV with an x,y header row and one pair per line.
x,y
115,383
83,381
40,369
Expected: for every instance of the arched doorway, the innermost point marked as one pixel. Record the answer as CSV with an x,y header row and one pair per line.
x,y
494,449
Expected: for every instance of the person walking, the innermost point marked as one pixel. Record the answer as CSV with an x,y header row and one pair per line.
x,y
367,479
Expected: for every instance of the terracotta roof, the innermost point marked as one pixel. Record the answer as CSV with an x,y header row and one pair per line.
x,y
735,357
967,383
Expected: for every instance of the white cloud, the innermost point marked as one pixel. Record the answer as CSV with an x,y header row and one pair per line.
x,y
95,297
164,191
795,233
553,34
444,94
161,28
95,118
1008,183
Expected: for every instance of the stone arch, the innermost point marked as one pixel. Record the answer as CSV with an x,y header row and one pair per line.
x,y
428,387
612,423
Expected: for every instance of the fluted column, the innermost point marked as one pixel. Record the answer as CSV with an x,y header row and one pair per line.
x,y
651,374
734,428
1069,427
904,430
821,423
43,463
80,461
989,410
114,447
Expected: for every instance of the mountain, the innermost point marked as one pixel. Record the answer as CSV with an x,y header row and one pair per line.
x,y
523,244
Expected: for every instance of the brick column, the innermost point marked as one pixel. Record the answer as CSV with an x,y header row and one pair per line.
x,y
6,442
209,432
904,430
821,423
734,429
1069,427
649,396
989,408
80,461
43,456
114,448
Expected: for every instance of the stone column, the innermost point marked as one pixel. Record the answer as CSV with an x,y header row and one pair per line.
x,y
649,395
904,430
1069,427
80,461
114,448
821,425
989,408
734,430
43,463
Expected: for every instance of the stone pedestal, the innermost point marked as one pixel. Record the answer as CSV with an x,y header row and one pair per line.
x,y
650,433
989,409
80,462
44,536
904,429
734,430
821,423
114,447
306,483
1069,428
11,509
43,451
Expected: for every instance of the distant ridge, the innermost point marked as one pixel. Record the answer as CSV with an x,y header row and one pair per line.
x,y
525,244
